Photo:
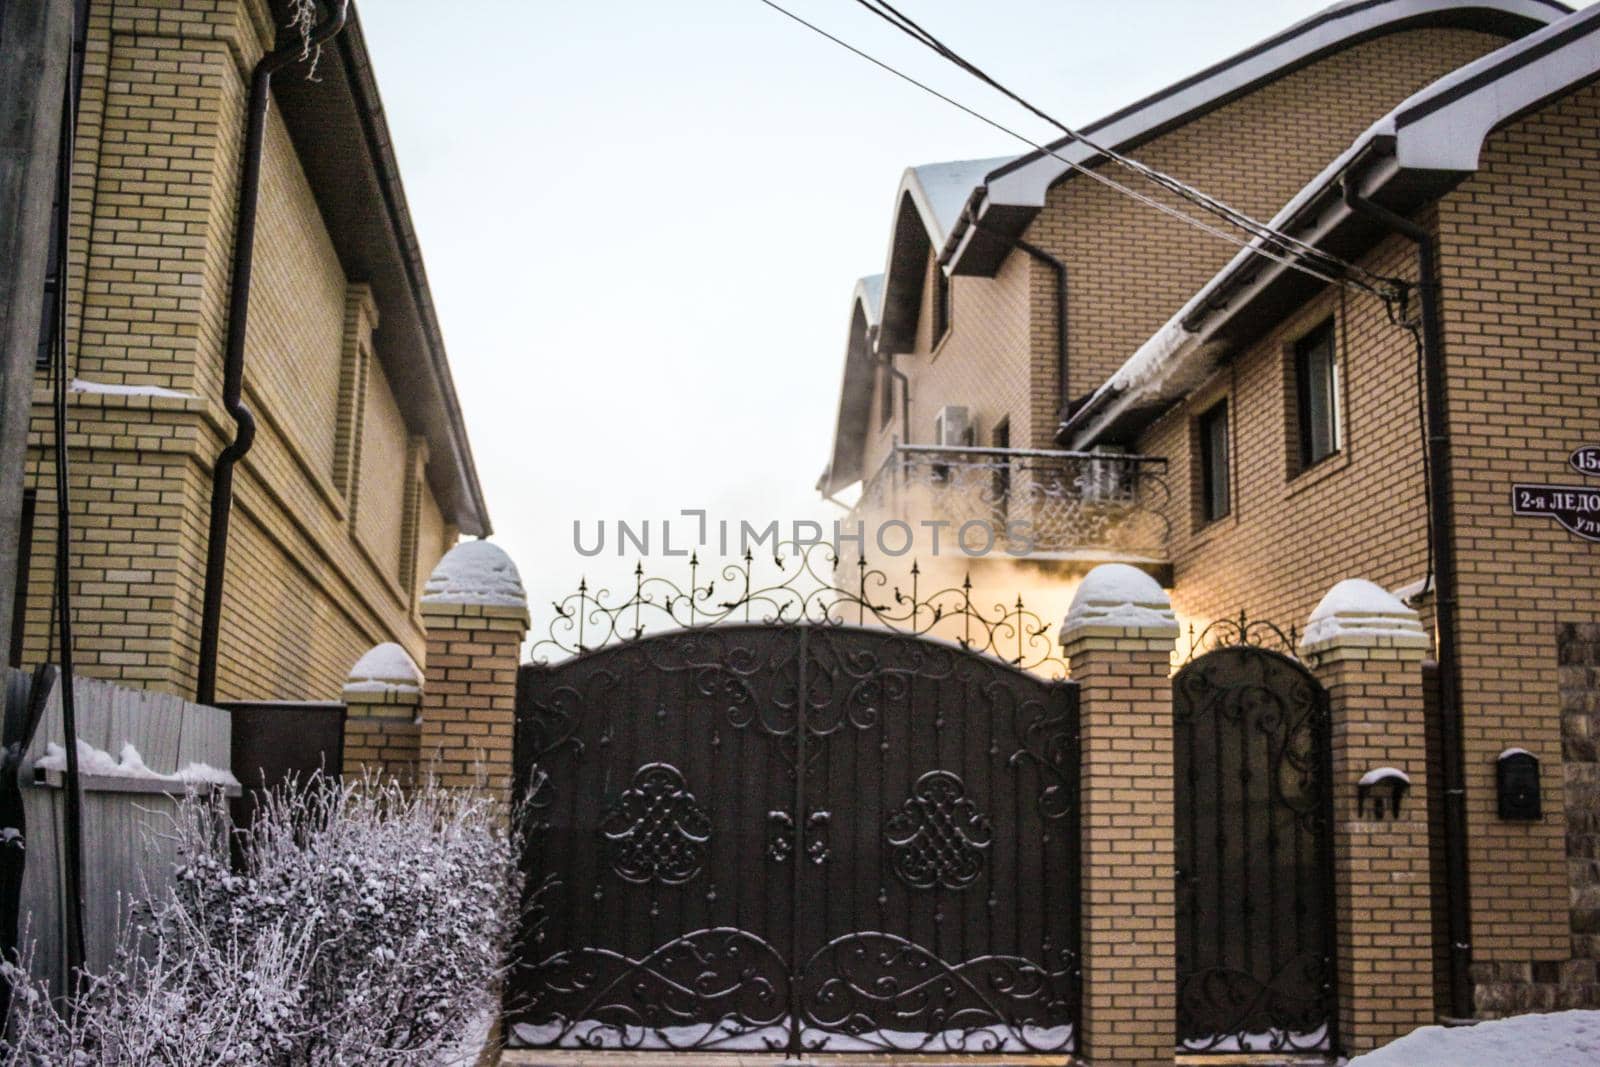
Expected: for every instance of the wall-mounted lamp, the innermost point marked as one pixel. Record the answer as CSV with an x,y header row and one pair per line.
x,y
1516,781
1382,785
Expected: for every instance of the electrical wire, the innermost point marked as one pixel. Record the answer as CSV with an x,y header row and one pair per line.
x,y
1255,248
1261,230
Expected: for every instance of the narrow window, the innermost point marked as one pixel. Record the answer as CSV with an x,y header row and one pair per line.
x,y
885,397
1215,492
19,599
941,303
1316,381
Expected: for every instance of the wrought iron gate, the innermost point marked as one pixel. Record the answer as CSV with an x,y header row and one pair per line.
x,y
798,835
1253,843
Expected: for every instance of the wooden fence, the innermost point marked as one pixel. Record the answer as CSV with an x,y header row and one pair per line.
x,y
126,852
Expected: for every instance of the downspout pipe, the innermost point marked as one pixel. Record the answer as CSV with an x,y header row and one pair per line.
x,y
238,321
1446,604
1059,268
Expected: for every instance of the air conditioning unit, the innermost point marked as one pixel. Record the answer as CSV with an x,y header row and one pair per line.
x,y
1107,479
952,426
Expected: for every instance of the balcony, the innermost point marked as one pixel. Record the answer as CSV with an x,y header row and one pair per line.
x,y
1075,508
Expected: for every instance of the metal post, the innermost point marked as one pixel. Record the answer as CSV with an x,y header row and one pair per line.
x,y
35,49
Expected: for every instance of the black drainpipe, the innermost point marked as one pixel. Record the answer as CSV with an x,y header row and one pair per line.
x,y
238,318
1060,269
1447,633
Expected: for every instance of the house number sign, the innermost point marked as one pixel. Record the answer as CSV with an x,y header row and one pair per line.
x,y
1575,507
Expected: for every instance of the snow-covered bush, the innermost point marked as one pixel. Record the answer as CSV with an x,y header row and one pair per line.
x,y
356,924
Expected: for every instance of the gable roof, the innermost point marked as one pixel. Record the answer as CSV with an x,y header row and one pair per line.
x,y
928,205
1012,194
855,390
1417,152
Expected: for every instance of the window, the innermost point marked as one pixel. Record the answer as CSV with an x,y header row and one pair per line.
x,y
941,303
885,397
1316,387
19,599
1215,491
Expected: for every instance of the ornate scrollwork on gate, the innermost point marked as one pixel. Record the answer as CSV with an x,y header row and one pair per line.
x,y
781,836
938,838
707,989
874,991
656,831
810,585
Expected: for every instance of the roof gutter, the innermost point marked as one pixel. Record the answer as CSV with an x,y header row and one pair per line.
x,y
244,242
375,130
1441,523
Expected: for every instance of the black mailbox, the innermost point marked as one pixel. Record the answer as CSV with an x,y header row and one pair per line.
x,y
1517,783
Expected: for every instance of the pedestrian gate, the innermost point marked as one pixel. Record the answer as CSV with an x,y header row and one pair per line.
x,y
797,834
1253,849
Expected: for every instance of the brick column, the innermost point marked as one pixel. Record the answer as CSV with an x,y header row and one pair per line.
x,y
382,724
476,614
1366,648
1118,638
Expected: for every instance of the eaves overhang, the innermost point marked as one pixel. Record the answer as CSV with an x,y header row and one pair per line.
x,y
855,390
341,136
1010,196
1415,154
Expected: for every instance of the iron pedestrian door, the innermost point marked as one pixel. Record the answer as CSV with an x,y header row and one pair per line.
x,y
1253,846
797,837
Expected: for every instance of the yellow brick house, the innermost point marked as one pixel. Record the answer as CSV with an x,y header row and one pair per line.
x,y
361,475
1277,425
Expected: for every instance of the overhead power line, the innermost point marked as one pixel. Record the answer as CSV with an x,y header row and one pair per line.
x,y
1265,242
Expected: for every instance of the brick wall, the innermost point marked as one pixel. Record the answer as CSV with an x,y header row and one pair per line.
x,y
1517,249
1519,242
1291,534
1130,267
154,201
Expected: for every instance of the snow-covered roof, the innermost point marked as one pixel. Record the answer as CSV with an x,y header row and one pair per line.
x,y
1011,194
868,296
476,572
1434,138
940,191
1118,596
855,387
385,668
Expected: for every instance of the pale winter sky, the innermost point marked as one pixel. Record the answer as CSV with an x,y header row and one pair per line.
x,y
642,222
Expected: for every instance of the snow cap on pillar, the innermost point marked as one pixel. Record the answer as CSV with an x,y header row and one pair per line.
x,y
478,573
384,670
1360,613
1116,598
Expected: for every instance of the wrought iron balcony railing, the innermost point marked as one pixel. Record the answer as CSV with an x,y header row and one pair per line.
x,y
1092,506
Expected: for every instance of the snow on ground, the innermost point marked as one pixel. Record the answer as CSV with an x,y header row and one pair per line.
x,y
1560,1039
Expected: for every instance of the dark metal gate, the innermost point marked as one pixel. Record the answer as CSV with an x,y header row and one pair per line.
x,y
1253,842
798,835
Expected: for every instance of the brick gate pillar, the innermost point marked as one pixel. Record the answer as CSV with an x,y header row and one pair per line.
x,y
476,614
383,700
1366,648
1118,639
